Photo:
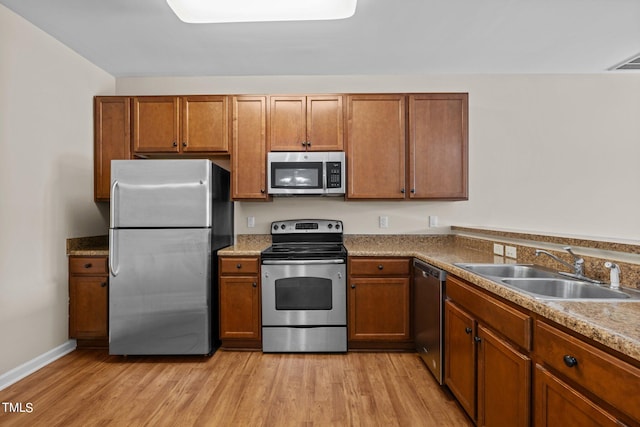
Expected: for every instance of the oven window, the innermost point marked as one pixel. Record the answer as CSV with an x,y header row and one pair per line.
x,y
303,293
296,175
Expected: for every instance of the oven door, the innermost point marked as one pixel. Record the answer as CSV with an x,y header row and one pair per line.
x,y
304,293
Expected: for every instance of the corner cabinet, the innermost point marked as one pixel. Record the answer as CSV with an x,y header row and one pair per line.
x,y
306,123
112,140
249,148
379,291
180,124
438,144
420,141
487,362
89,301
239,299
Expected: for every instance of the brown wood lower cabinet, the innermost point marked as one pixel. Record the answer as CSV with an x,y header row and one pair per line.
x,y
89,301
239,288
379,303
488,374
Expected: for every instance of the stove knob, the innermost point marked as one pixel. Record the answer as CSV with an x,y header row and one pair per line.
x,y
275,227
330,226
337,226
282,227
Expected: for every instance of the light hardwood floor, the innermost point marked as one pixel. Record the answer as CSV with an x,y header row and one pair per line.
x,y
90,388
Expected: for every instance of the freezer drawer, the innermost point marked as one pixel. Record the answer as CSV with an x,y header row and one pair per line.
x,y
160,291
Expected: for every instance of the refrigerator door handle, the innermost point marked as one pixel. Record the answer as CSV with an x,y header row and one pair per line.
x,y
112,254
113,202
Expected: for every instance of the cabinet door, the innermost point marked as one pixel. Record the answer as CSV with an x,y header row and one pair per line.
x,y
239,307
88,307
156,124
112,138
379,309
376,146
460,356
504,382
325,130
249,154
557,404
205,124
438,135
287,118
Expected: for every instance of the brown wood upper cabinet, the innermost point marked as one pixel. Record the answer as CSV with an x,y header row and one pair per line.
x,y
376,146
421,154
438,141
112,140
249,151
306,123
181,124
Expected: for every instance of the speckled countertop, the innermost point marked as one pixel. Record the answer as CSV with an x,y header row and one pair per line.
x,y
614,324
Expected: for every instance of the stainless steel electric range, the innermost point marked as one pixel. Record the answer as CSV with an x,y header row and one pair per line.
x,y
304,287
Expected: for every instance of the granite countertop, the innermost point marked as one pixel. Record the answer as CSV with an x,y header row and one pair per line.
x,y
613,324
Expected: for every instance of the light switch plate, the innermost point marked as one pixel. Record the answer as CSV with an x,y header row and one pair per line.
x,y
510,251
433,220
251,221
383,221
498,249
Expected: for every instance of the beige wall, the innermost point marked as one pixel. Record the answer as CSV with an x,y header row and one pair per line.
x,y
551,153
46,182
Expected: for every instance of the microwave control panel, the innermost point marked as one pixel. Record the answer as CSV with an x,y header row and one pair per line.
x,y
334,174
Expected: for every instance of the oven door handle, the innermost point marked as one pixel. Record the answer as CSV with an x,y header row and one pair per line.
x,y
301,261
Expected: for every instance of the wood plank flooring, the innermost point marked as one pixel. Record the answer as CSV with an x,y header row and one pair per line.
x,y
90,388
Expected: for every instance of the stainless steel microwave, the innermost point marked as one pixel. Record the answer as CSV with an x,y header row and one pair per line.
x,y
306,173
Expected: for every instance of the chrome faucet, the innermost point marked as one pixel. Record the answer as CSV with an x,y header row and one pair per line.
x,y
577,267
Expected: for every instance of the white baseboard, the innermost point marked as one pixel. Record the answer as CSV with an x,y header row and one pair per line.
x,y
16,374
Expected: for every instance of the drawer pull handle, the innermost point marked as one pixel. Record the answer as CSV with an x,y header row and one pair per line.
x,y
353,286
103,284
570,361
468,330
88,265
380,267
238,265
254,284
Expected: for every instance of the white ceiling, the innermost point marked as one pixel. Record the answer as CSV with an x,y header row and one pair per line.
x,y
145,38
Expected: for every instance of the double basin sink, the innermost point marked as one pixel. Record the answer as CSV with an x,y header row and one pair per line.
x,y
543,283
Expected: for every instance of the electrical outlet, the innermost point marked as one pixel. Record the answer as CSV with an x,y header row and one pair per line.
x,y
383,221
498,249
433,220
251,221
511,252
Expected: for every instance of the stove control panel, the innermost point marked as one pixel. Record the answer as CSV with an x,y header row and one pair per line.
x,y
306,226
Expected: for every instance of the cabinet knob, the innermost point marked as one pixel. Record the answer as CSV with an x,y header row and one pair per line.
x,y
175,144
262,190
468,330
88,265
238,265
184,144
380,267
570,361
477,339
413,191
254,284
353,286
103,284
402,191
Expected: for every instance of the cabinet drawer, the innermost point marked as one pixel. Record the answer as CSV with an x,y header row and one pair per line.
x,y
502,318
87,265
604,375
379,266
236,265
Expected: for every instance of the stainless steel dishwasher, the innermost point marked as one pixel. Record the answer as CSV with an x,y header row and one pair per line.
x,y
428,297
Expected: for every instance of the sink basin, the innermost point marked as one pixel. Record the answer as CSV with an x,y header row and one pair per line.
x,y
509,270
543,283
564,289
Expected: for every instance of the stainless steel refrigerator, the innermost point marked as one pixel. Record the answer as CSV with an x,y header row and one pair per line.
x,y
168,219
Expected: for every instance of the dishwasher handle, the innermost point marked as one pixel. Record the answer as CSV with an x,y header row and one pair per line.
x,y
430,271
